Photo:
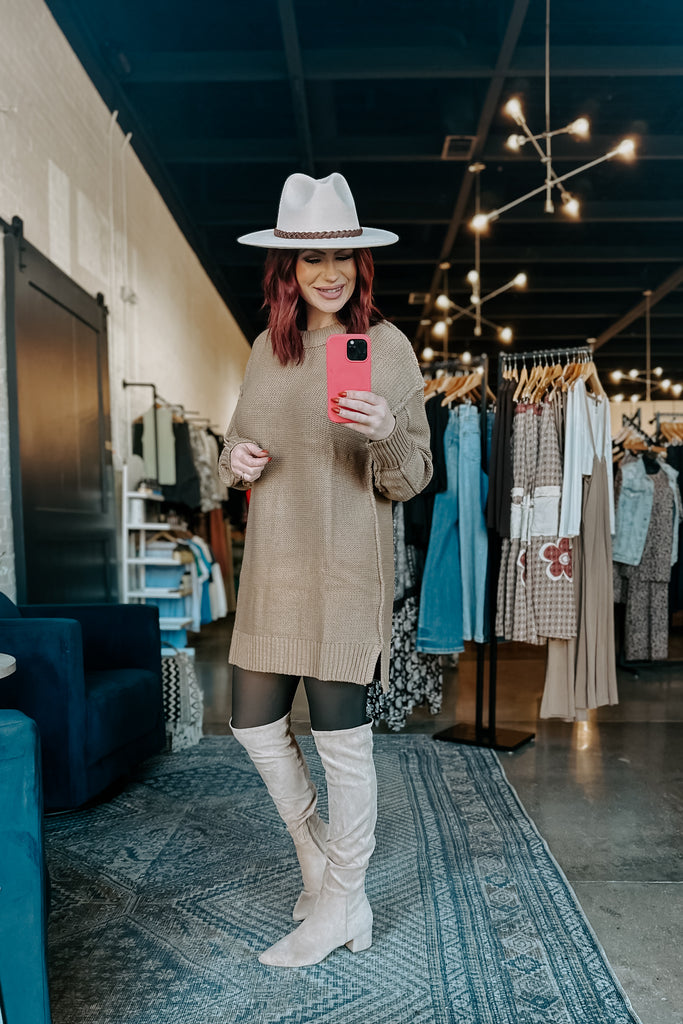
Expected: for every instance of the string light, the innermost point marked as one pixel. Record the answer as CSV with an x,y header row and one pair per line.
x,y
676,389
428,352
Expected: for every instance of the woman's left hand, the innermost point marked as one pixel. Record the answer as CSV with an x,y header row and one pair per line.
x,y
370,413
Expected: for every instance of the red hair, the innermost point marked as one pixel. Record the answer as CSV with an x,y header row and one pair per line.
x,y
287,317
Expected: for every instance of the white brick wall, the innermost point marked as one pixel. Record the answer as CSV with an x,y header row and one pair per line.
x,y
63,167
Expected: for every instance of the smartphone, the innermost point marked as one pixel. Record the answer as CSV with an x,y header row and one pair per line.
x,y
348,368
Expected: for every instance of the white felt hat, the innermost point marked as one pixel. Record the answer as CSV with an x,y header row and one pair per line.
x,y
320,213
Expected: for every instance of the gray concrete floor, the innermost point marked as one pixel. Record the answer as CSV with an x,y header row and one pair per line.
x,y
605,794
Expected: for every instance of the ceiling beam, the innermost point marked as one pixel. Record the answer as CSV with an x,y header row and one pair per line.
x,y
297,84
418,62
519,255
409,149
672,282
422,211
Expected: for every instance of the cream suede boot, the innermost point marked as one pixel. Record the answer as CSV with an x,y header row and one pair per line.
x,y
342,915
280,763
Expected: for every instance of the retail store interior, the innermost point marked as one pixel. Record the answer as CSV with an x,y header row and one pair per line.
x,y
528,155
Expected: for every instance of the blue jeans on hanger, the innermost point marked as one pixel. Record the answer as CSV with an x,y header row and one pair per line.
x,y
472,495
439,629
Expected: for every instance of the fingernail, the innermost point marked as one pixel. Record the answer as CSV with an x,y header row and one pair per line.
x,y
336,409
342,394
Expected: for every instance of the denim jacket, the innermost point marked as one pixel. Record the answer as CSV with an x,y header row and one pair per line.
x,y
634,509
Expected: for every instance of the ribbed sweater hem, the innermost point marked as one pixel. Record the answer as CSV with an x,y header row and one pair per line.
x,y
344,663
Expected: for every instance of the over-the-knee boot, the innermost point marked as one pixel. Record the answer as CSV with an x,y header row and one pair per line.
x,y
342,914
281,764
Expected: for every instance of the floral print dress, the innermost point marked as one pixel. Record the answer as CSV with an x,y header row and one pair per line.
x,y
535,586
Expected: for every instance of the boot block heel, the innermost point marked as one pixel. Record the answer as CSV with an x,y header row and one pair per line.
x,y
361,942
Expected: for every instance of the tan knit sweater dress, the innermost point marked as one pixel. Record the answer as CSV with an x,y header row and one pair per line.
x,y
317,581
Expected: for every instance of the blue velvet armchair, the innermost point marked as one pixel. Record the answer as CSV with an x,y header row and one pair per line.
x,y
23,879
90,677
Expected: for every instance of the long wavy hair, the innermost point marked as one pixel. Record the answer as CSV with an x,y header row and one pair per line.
x,y
287,309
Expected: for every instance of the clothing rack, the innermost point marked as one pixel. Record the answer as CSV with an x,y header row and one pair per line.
x,y
478,734
508,360
634,422
155,399
664,417
173,406
490,735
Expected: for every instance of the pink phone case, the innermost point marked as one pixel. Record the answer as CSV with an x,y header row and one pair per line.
x,y
344,374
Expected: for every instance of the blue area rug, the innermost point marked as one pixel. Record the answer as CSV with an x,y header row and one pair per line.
x,y
163,897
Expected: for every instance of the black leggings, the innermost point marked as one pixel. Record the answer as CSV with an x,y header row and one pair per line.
x,y
259,698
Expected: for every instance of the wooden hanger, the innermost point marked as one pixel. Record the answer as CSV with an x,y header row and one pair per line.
x,y
462,386
521,384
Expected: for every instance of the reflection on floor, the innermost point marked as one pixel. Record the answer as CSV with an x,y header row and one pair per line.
x,y
605,794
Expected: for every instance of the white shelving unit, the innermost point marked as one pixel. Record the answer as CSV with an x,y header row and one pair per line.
x,y
138,558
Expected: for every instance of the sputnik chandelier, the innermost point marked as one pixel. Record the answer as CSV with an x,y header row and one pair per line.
x,y
579,129
452,311
649,377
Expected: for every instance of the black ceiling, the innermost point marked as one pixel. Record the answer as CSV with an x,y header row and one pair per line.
x,y
225,99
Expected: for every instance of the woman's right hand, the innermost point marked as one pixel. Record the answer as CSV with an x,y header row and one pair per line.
x,y
248,461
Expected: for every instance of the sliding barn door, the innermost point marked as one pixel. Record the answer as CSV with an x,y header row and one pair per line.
x,y
63,494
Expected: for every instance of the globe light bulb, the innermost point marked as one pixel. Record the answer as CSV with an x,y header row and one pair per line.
x,y
658,371
474,299
466,358
635,398
580,127
513,143
513,108
442,301
428,352
666,384
505,334
439,329
473,277
520,281
626,148
676,389
479,222
571,207
480,371
633,374
618,398
616,376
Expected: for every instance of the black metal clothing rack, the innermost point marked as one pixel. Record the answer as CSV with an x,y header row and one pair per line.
x,y
156,400
480,734
491,735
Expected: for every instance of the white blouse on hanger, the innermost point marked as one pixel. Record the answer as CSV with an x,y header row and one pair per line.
x,y
587,433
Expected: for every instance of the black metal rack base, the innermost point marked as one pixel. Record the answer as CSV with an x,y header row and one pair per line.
x,y
501,739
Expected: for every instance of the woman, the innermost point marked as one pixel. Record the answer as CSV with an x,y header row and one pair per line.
x,y
316,586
